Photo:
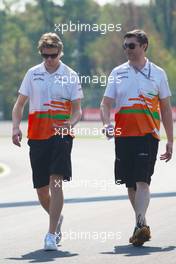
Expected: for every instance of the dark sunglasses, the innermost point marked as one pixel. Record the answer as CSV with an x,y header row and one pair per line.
x,y
52,56
129,45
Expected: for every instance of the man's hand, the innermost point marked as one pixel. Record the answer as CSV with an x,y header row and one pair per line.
x,y
168,154
17,114
166,114
16,136
108,131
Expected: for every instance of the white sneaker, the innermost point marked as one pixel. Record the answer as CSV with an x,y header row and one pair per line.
x,y
50,242
58,230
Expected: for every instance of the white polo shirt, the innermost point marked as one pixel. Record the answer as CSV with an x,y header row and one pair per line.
x,y
50,98
137,95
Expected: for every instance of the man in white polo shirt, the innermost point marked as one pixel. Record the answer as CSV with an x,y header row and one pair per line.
x,y
140,91
54,94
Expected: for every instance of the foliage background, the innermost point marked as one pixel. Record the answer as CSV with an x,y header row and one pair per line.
x,y
89,53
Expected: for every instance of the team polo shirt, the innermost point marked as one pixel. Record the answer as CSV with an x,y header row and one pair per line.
x,y
50,98
137,95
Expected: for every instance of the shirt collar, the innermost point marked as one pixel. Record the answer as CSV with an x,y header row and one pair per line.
x,y
145,68
58,72
126,65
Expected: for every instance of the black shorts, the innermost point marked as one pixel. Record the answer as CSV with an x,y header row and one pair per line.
x,y
50,156
135,159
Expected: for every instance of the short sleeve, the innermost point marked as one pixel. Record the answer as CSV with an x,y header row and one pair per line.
x,y
164,90
111,86
77,92
25,85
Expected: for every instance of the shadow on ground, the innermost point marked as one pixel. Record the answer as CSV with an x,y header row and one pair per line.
x,y
131,251
41,256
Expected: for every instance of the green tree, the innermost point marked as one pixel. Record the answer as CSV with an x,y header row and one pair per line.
x,y
163,13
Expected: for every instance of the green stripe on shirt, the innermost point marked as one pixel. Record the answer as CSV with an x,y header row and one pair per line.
x,y
140,111
58,116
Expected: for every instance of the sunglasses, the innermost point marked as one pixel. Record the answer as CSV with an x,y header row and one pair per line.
x,y
129,45
52,56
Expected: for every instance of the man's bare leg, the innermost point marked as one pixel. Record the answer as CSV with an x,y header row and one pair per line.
x,y
131,196
53,208
142,199
44,197
56,202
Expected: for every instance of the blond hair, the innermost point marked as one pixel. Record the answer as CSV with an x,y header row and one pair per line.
x,y
50,40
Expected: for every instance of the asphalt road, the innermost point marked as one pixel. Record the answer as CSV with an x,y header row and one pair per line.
x,y
98,218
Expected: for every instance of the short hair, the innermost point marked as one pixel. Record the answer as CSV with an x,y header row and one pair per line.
x,y
139,34
50,40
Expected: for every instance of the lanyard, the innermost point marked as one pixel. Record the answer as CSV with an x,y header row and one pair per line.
x,y
147,76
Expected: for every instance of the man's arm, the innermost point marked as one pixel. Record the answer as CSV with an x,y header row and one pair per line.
x,y
76,112
17,114
105,110
166,114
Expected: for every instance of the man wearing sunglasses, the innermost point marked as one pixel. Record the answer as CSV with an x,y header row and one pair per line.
x,y
54,94
139,89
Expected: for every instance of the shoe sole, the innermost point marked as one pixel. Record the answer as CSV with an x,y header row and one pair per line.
x,y
141,236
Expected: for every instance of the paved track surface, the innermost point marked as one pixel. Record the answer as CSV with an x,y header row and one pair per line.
x,y
98,218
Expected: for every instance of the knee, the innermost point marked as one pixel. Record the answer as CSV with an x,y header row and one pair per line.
x,y
55,183
142,186
131,190
43,194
